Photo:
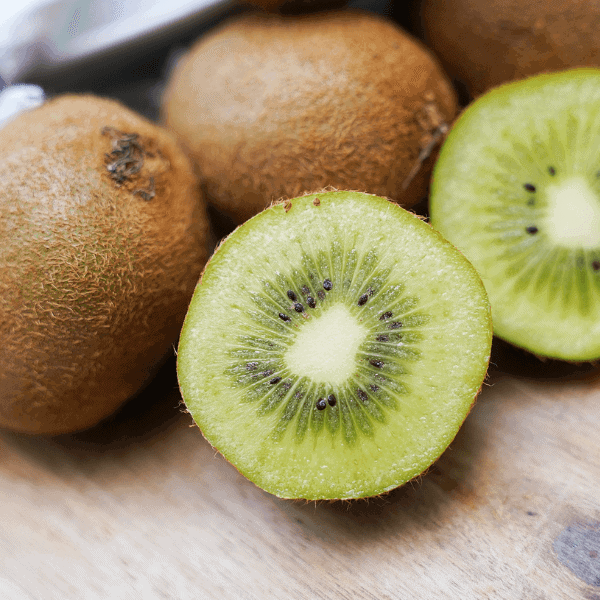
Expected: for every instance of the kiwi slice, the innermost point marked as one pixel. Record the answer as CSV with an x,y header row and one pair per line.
x,y
334,346
517,189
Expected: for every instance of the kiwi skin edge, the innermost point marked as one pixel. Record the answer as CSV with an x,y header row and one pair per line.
x,y
97,265
189,381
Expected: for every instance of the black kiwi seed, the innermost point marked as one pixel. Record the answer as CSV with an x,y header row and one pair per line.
x,y
596,265
305,290
363,299
529,187
291,295
395,325
311,302
321,295
383,338
321,404
327,284
251,366
267,373
531,229
386,315
362,395
376,363
332,400
275,380
552,171
298,307
374,388
284,317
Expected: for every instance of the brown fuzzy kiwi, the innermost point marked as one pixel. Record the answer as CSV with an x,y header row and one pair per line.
x,y
484,44
272,106
103,240
294,6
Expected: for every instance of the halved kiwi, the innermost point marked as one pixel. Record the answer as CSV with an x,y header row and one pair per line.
x,y
517,189
334,346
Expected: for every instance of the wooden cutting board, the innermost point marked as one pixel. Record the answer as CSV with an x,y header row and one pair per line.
x,y
142,507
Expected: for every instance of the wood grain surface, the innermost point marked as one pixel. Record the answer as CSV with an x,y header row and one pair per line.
x,y
142,507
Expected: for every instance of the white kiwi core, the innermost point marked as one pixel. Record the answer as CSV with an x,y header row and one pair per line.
x,y
574,214
325,348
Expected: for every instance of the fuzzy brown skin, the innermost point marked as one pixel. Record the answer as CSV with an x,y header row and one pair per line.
x,y
486,43
273,106
294,6
95,276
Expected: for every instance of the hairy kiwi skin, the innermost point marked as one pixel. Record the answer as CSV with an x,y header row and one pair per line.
x,y
272,106
294,6
485,44
95,275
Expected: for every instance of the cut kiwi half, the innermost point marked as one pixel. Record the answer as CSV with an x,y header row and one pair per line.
x,y
333,346
517,189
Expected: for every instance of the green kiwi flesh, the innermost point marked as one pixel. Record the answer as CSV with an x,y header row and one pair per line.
x,y
333,346
517,189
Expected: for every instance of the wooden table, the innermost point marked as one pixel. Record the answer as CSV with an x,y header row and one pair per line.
x,y
142,507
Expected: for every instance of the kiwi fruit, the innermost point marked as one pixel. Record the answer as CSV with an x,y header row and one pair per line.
x,y
103,240
334,346
517,189
484,44
294,6
273,106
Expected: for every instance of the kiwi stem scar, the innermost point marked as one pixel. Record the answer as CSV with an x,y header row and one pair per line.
x,y
325,349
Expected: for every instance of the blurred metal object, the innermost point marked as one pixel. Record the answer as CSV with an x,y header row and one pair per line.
x,y
14,99
52,34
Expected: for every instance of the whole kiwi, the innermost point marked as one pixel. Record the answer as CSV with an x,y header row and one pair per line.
x,y
293,6
102,242
272,106
484,44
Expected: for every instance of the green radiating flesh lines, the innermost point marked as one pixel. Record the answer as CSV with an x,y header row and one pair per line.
x,y
517,189
513,215
358,405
